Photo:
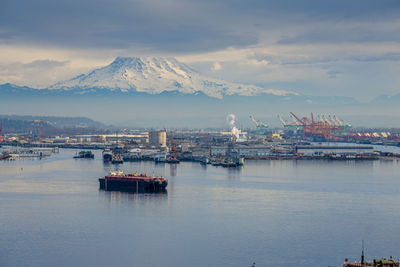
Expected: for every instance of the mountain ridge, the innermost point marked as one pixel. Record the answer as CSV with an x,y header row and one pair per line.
x,y
168,76
155,75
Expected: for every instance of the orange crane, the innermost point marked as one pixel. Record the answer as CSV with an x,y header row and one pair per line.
x,y
173,154
329,130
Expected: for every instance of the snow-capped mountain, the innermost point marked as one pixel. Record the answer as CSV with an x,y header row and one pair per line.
x,y
155,75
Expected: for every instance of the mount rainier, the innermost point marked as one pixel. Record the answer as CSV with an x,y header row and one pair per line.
x,y
163,91
155,75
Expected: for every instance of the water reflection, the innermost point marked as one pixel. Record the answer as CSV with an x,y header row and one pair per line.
x,y
52,210
107,166
235,173
364,164
119,197
173,169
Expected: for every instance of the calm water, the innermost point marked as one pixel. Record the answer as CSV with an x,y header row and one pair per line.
x,y
274,213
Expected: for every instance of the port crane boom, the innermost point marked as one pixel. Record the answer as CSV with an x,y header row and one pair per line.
x,y
285,123
258,123
322,127
261,127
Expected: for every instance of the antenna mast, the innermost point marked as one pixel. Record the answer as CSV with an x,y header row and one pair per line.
x,y
362,254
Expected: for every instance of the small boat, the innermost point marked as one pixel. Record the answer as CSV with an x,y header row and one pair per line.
x,y
5,155
107,155
84,155
160,159
229,164
204,161
134,182
172,160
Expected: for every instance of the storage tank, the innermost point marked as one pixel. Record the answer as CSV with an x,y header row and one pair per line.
x,y
157,138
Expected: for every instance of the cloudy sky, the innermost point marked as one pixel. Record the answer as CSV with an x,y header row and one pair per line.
x,y
314,47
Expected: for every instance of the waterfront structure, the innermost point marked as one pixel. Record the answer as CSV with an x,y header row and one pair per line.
x,y
241,150
322,150
32,152
111,138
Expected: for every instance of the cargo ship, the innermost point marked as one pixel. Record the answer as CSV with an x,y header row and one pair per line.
x,y
134,182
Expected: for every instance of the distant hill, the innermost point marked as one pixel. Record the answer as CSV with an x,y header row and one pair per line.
x,y
37,125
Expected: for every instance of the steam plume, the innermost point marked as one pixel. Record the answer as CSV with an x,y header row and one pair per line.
x,y
231,120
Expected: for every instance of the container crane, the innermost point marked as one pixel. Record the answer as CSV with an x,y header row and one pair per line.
x,y
284,122
338,122
324,127
261,127
294,119
343,125
258,123
332,121
326,120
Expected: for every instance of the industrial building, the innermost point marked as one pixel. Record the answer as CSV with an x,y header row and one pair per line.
x,y
111,138
158,138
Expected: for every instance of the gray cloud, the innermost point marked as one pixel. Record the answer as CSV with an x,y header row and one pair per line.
x,y
183,25
32,73
322,59
157,25
376,58
333,74
42,64
46,63
293,59
305,42
330,34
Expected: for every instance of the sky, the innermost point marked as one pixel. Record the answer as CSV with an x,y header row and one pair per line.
x,y
313,47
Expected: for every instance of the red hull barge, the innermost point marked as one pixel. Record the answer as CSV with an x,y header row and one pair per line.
x,y
118,181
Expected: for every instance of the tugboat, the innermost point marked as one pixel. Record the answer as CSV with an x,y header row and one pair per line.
x,y
172,160
107,155
5,155
117,158
173,154
84,155
118,181
229,164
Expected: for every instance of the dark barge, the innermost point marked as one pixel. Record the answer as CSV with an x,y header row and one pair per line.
x,y
84,155
118,181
